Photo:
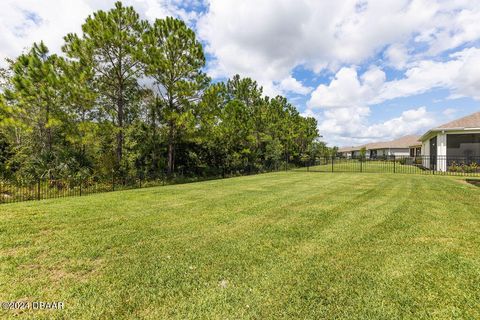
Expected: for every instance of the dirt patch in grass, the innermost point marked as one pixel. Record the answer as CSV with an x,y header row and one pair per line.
x,y
475,182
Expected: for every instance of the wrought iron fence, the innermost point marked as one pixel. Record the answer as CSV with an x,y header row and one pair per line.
x,y
38,189
46,188
434,165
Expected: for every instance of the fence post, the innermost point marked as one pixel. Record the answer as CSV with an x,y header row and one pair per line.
x,y
81,182
38,189
332,162
394,165
361,164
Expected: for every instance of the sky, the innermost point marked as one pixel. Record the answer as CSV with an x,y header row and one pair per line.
x,y
366,70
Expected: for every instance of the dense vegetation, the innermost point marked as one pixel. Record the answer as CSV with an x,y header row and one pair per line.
x,y
131,97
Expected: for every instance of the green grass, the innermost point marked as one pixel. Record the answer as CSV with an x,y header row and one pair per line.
x,y
290,245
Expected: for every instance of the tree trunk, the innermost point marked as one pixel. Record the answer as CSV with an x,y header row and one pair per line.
x,y
120,131
120,111
171,149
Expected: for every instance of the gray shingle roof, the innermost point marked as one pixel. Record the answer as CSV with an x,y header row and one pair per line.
x,y
400,143
471,121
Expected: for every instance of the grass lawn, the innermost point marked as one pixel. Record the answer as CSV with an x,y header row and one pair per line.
x,y
293,245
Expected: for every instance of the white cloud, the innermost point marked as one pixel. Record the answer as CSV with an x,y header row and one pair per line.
x,y
347,89
467,80
27,21
456,24
460,74
267,39
292,85
449,112
397,55
410,122
350,126
343,106
420,78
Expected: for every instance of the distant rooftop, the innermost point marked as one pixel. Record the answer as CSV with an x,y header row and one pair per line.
x,y
466,123
400,143
471,121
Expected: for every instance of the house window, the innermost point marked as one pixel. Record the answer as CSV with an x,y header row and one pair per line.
x,y
415,152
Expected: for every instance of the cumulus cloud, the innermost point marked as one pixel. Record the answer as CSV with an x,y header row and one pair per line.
x,y
409,122
397,56
350,126
292,85
467,80
27,21
460,74
267,39
455,23
347,89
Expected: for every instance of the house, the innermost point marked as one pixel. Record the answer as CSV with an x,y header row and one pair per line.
x,y
454,142
400,147
349,152
443,148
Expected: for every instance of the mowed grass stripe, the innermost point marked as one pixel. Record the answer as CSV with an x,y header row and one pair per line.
x,y
282,245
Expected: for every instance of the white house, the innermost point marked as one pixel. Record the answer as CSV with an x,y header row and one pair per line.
x,y
457,141
399,147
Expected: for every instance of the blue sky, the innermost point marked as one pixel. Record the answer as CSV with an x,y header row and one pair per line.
x,y
366,70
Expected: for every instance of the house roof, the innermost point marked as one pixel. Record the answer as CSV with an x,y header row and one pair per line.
x,y
350,149
471,121
466,123
400,143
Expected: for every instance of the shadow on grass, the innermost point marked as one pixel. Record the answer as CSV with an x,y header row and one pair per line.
x,y
475,182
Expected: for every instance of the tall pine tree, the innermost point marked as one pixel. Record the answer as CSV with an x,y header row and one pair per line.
x,y
110,44
174,59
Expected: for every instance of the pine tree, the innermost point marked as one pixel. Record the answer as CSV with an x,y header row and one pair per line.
x,y
110,44
35,106
174,59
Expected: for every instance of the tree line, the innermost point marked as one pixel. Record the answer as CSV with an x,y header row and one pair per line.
x,y
131,97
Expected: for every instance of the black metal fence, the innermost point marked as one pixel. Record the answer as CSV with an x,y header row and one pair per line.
x,y
434,165
46,188
38,189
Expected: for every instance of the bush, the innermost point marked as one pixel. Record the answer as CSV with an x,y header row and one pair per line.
x,y
463,167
